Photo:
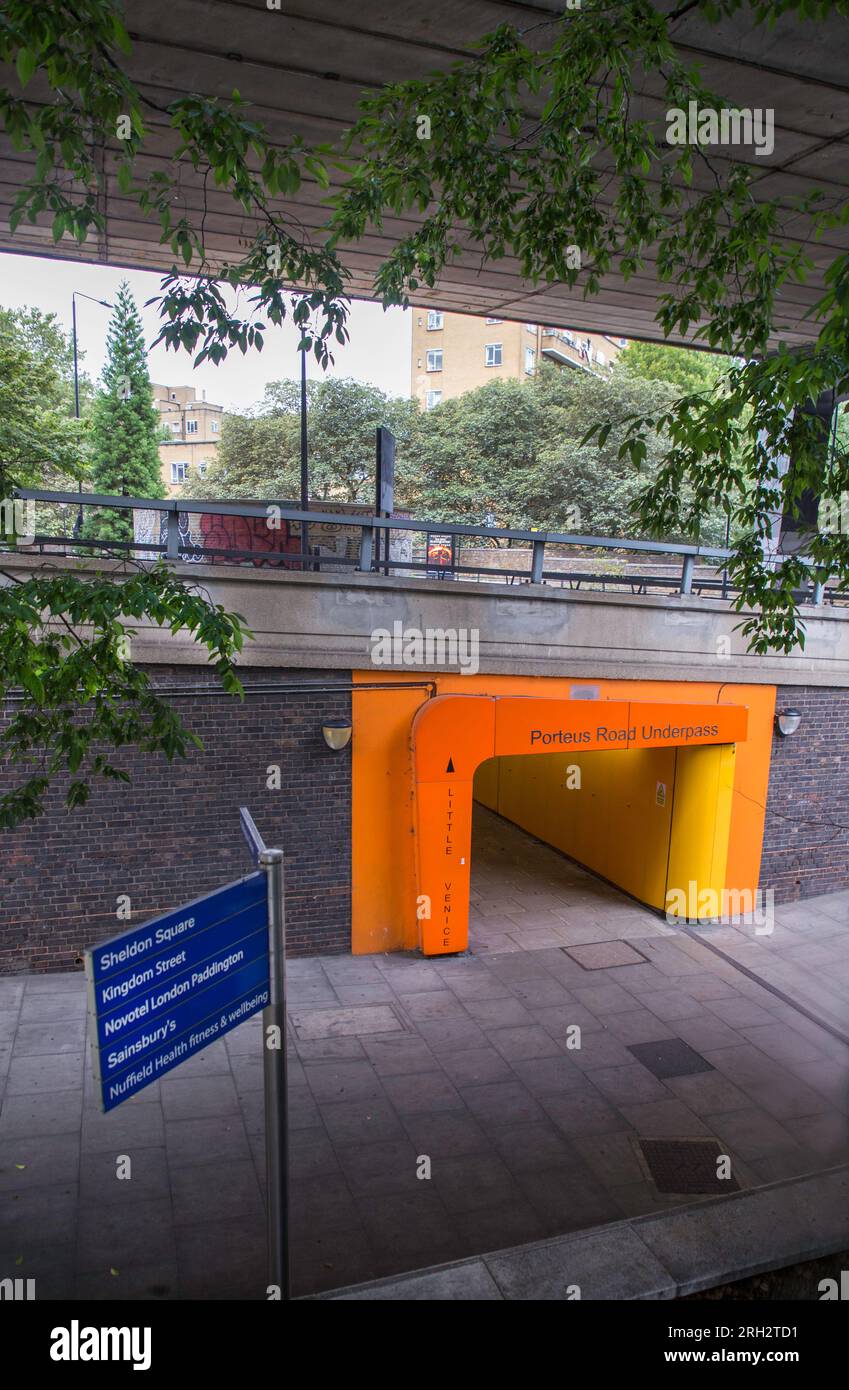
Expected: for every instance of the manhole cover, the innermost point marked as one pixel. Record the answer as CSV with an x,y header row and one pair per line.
x,y
669,1057
605,955
688,1166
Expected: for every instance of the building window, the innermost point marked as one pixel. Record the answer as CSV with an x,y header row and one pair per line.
x,y
434,319
530,361
531,327
434,361
202,467
494,320
191,427
493,354
175,427
600,358
433,398
213,425
178,472
173,395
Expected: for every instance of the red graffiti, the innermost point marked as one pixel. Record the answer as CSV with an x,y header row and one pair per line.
x,y
250,533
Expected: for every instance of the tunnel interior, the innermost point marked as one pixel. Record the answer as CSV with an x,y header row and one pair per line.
x,y
655,822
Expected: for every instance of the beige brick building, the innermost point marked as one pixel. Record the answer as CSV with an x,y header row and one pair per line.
x,y
194,429
453,353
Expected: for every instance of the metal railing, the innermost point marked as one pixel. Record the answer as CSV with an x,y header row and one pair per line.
x,y
690,569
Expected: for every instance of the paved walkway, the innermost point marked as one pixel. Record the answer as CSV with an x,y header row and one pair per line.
x,y
464,1061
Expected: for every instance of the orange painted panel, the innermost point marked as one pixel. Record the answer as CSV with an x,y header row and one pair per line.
x,y
528,725
663,725
445,856
451,735
383,858
751,782
524,725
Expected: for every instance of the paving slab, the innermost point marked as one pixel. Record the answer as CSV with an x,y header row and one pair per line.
x,y
330,1023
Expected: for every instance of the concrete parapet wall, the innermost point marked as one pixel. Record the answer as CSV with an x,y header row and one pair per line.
x,y
326,621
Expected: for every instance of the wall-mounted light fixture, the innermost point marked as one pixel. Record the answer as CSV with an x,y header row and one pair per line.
x,y
787,721
336,733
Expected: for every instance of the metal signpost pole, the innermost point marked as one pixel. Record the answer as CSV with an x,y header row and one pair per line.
x,y
274,1066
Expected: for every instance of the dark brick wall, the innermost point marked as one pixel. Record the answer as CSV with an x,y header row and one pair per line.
x,y
174,834
806,838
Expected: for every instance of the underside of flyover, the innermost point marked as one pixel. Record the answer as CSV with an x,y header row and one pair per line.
x,y
279,62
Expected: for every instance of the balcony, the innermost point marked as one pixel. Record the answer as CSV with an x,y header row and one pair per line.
x,y
559,345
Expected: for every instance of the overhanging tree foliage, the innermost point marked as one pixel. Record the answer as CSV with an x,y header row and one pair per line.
x,y
67,648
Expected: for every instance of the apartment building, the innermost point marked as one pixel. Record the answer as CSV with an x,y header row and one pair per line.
x,y
193,430
453,353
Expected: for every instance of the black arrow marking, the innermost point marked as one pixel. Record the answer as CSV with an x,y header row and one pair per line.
x,y
450,767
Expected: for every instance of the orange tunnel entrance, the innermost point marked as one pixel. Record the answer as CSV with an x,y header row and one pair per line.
x,y
454,735
671,793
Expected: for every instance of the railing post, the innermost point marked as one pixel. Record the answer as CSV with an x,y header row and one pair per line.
x,y
687,574
366,548
172,535
819,593
275,1065
537,562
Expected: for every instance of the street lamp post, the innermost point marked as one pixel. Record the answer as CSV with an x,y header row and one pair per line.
x,y
305,478
78,524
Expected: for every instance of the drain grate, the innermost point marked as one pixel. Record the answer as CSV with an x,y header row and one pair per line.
x,y
686,1166
669,1057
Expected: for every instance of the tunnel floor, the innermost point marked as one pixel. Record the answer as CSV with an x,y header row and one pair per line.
x,y
462,1061
527,896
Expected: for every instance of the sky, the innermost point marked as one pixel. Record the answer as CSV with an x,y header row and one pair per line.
x,y
378,353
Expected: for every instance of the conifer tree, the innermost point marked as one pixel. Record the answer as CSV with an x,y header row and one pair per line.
x,y
125,426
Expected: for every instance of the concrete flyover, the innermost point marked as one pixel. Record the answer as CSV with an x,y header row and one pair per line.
x,y
280,63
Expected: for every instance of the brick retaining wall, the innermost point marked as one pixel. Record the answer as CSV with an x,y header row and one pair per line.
x,y
173,833
806,839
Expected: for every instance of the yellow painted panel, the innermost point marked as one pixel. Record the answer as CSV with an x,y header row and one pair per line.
x,y
617,823
698,851
486,783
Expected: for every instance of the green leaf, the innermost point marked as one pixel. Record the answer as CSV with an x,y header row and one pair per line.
x,y
25,64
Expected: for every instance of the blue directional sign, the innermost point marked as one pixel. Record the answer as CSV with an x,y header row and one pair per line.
x,y
164,990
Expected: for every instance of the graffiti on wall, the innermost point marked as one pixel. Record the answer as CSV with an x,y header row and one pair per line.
x,y
277,546
250,533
